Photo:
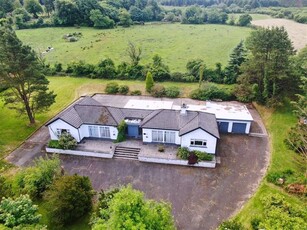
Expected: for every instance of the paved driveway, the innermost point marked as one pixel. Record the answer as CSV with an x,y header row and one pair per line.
x,y
201,198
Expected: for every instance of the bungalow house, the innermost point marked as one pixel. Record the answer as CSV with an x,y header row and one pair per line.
x,y
88,118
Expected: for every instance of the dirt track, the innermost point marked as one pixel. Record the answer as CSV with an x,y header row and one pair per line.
x,y
297,31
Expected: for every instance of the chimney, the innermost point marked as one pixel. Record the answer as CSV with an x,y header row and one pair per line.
x,y
183,110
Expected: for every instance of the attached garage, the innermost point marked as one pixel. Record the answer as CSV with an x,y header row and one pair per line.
x,y
223,127
238,128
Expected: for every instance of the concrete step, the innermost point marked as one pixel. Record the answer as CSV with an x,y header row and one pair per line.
x,y
126,153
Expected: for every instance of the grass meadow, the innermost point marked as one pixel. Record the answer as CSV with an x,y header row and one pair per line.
x,y
175,43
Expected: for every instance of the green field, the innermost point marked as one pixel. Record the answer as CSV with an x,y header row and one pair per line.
x,y
175,43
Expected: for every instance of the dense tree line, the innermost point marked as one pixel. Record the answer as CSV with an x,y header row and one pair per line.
x,y
248,4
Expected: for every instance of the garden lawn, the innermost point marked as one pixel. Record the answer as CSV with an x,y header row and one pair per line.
x,y
175,43
277,123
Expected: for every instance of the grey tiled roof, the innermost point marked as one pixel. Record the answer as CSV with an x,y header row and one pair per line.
x,y
89,111
205,121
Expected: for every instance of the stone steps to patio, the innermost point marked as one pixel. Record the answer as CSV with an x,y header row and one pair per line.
x,y
126,153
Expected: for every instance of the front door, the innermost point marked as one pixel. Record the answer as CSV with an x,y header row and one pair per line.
x,y
133,131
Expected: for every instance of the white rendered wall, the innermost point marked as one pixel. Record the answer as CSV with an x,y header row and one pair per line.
x,y
85,133
60,124
201,135
147,135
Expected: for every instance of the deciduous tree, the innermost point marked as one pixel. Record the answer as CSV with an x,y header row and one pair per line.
x,y
21,71
69,198
19,211
33,7
128,209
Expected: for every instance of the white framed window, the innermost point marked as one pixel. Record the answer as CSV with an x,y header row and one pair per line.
x,y
198,143
169,137
163,136
157,136
59,132
93,131
104,132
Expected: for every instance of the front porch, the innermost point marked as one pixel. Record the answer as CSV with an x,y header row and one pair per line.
x,y
148,152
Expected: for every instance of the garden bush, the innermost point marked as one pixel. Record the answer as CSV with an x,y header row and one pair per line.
x,y
123,89
202,156
121,136
136,92
211,92
112,88
231,225
172,92
158,91
183,153
67,141
273,177
54,144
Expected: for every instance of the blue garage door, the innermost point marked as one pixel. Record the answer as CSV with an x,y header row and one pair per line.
x,y
239,128
223,127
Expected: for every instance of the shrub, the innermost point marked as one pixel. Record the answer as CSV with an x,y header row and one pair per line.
x,y
149,82
19,211
112,88
67,141
121,136
123,89
183,153
231,225
68,199
210,92
255,223
202,156
172,92
273,177
136,92
54,144
161,148
158,91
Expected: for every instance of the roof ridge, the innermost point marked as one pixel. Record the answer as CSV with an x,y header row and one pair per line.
x,y
112,115
189,121
153,116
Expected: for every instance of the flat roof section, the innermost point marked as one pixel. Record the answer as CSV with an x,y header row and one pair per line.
x,y
225,110
148,104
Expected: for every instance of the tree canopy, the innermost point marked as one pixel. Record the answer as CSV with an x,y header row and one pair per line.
x,y
21,71
269,69
128,209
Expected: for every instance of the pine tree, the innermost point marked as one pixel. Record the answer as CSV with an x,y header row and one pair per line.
x,y
237,57
21,72
149,82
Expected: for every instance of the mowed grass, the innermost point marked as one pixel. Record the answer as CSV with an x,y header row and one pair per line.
x,y
175,43
278,124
